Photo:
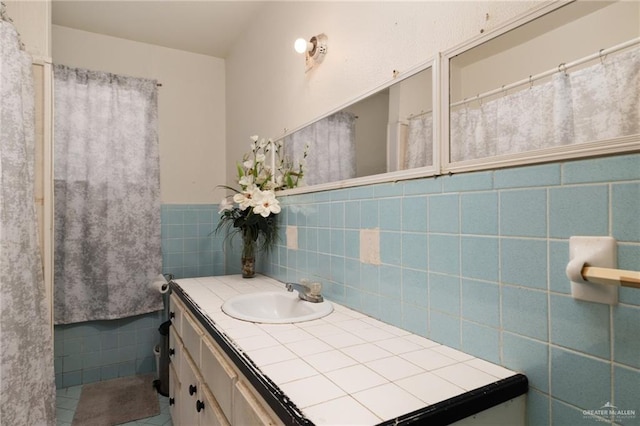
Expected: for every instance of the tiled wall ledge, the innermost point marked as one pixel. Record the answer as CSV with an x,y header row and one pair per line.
x,y
476,261
347,368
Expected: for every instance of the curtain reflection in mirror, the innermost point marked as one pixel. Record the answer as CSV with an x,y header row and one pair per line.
x,y
598,102
419,142
332,149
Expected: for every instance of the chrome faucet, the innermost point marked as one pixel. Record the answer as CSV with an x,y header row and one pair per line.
x,y
307,291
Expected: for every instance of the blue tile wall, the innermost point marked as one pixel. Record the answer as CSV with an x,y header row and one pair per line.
x,y
101,350
190,248
476,261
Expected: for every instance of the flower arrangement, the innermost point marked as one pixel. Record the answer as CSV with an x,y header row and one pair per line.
x,y
251,211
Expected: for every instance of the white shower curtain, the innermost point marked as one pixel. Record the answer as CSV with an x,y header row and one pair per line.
x,y
332,149
107,196
27,387
598,102
419,152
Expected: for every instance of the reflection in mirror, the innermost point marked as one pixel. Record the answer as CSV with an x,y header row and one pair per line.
x,y
515,93
387,131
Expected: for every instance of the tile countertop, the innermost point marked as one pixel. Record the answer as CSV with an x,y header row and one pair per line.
x,y
348,368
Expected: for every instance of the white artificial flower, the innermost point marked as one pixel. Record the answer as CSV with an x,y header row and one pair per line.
x,y
262,143
254,138
260,158
267,204
225,204
248,164
246,180
247,197
269,185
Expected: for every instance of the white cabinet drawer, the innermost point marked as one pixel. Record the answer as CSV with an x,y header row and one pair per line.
x,y
191,336
218,374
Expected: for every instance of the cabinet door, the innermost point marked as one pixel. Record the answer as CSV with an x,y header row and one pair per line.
x,y
218,374
191,337
174,396
176,309
189,392
210,412
247,410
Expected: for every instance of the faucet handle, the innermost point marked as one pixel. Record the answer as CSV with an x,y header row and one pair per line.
x,y
315,288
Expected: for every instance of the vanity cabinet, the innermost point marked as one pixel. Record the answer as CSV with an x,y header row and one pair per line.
x,y
207,388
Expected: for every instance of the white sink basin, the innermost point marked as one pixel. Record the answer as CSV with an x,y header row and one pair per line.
x,y
275,307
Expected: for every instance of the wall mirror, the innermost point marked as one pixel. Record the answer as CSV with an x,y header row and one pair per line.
x,y
390,130
567,78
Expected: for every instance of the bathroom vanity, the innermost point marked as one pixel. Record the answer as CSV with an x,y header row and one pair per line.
x,y
344,368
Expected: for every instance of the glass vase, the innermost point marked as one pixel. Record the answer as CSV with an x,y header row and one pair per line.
x,y
248,256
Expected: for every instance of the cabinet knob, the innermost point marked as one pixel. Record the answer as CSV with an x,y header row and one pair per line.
x,y
192,389
172,351
172,315
199,406
172,401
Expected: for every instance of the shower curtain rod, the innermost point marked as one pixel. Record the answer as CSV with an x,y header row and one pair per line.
x,y
563,67
420,114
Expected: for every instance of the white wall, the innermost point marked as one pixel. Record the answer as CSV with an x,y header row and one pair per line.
x,y
191,106
33,21
268,90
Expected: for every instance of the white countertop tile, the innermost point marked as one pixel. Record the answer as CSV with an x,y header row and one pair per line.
x,y
388,401
428,359
341,340
366,352
394,368
489,368
398,345
271,355
312,390
465,376
291,335
355,378
288,370
429,387
330,360
256,342
309,347
341,411
452,353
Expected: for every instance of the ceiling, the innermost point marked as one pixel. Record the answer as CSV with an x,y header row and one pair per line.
x,y
209,27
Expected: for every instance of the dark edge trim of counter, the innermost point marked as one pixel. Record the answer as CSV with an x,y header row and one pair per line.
x,y
286,410
467,404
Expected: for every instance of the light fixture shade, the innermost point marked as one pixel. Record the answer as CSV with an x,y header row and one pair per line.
x,y
316,49
319,43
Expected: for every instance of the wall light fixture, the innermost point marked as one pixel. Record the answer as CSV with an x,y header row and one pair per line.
x,y
314,49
